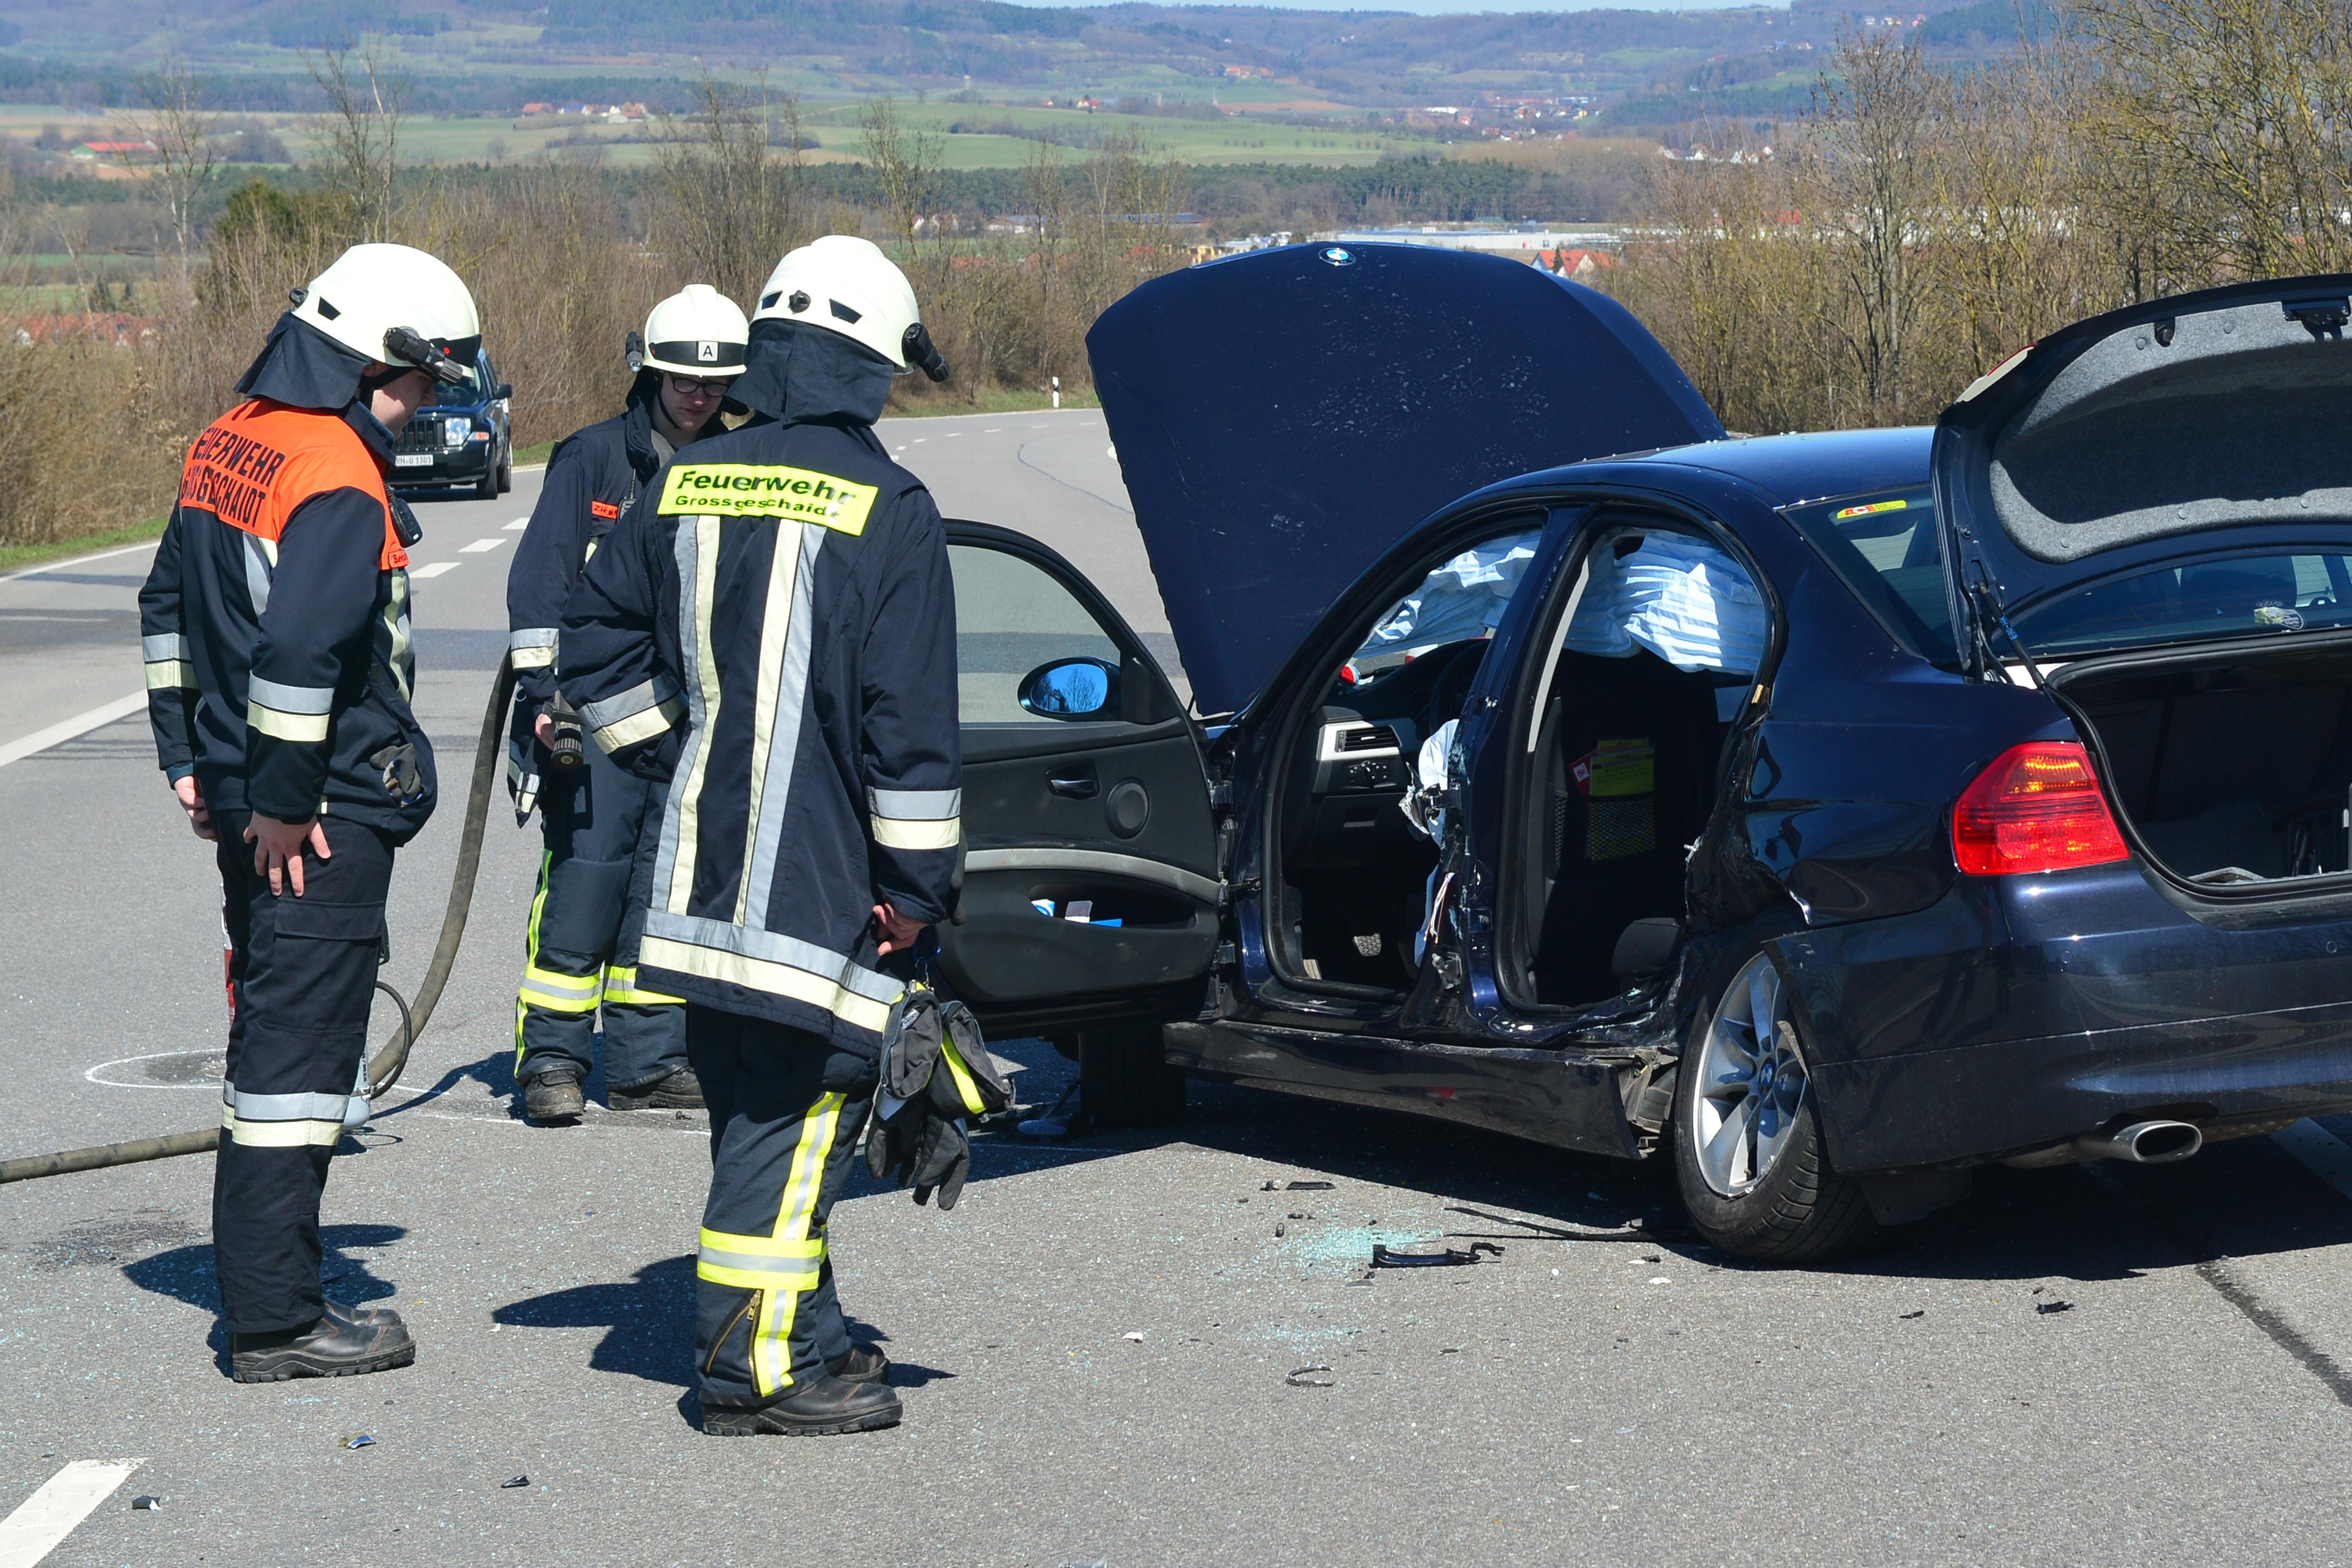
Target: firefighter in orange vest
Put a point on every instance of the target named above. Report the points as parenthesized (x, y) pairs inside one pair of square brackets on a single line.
[(276, 634)]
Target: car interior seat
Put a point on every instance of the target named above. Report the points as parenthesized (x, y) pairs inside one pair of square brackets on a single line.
[(1630, 780)]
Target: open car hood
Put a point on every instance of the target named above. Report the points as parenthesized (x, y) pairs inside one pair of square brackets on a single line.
[(2203, 424), (1284, 417)]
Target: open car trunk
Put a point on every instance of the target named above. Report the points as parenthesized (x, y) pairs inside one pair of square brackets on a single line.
[(2232, 767)]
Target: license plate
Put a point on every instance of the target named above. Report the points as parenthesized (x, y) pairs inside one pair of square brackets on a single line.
[(413, 460)]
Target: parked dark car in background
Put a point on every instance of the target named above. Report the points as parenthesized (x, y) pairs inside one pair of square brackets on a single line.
[(1827, 813), (463, 437)]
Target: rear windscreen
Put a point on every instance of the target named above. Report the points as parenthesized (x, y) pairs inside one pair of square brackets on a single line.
[(1884, 547), (2242, 595)]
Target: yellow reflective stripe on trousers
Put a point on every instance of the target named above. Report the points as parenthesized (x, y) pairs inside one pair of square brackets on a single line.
[(558, 992), (789, 1244), (759, 1262), (305, 1134), (530, 946), (620, 990)]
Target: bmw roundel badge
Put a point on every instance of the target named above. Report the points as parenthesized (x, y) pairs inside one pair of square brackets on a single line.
[(1339, 255)]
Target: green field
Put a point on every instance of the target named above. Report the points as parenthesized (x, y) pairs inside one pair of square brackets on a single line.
[(834, 127)]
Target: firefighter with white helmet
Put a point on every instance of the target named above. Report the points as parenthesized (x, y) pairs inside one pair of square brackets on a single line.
[(773, 627), (580, 952), (279, 670)]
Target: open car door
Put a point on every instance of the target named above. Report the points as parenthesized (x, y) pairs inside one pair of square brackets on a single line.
[(1090, 892)]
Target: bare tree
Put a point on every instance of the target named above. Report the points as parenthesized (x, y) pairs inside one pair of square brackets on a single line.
[(1870, 179), (2221, 126), (903, 160), (728, 196), (366, 105), (178, 121)]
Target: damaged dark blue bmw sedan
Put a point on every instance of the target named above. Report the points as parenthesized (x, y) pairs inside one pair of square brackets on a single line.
[(1829, 814)]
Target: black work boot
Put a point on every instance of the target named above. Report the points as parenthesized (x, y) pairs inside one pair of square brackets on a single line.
[(325, 1349), (553, 1096), (361, 1316), (815, 1407), (681, 1090), (860, 1364)]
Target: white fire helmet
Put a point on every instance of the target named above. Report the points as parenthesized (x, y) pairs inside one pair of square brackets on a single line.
[(845, 285), (697, 331), (396, 304)]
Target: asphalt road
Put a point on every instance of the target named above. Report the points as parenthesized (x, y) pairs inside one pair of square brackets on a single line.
[(2076, 1366)]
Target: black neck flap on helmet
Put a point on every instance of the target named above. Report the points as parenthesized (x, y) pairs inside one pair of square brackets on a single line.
[(302, 367), (800, 374)]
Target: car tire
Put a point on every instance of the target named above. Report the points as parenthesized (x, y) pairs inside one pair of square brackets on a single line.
[(1749, 1158), (487, 487), (1124, 1079), (506, 470)]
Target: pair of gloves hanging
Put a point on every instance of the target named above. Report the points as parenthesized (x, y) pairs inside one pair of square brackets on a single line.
[(936, 1075)]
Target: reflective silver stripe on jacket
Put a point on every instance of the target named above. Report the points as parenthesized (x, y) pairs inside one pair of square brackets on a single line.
[(641, 712), (288, 713), (533, 647), (260, 562), (916, 819), (772, 779), (168, 668), (770, 962)]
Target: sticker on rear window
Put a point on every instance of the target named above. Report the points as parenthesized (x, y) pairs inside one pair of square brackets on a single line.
[(759, 489), (1865, 510)]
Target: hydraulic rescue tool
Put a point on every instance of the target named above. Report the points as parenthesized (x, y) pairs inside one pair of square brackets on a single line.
[(384, 1071)]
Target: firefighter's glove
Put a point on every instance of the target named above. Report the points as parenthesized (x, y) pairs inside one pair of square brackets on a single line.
[(403, 779), (936, 1074)]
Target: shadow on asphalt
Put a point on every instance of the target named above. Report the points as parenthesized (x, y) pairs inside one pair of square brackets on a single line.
[(186, 1274), (650, 1320)]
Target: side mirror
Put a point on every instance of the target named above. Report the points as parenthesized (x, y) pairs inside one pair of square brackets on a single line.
[(1072, 689), (505, 390)]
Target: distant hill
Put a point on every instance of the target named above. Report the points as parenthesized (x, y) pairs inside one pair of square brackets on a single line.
[(1640, 68)]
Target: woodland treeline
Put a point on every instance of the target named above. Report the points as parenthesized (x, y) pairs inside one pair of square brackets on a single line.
[(1862, 265)]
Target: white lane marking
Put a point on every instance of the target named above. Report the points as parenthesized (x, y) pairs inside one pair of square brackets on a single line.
[(479, 545), (953, 434), (435, 570), (50, 1515), (991, 429), (920, 439), (518, 525), (78, 560), (79, 725), (2321, 1151)]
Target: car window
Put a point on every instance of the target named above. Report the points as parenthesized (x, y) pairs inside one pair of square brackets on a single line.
[(1461, 601), (1012, 616), (2239, 595), (1884, 548)]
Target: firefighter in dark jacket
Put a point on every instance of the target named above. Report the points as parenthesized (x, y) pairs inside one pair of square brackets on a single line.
[(581, 947), (276, 632), (772, 630)]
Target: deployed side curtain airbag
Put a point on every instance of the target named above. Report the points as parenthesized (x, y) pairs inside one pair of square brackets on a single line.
[(1684, 600)]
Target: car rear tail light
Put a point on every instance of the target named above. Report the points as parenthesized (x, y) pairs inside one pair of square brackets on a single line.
[(2037, 808)]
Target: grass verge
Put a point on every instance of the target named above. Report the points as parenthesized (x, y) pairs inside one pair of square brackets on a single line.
[(17, 557)]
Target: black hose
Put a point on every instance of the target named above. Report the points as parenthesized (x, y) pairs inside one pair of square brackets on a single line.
[(385, 1069)]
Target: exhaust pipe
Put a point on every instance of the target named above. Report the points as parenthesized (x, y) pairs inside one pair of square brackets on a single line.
[(2143, 1142)]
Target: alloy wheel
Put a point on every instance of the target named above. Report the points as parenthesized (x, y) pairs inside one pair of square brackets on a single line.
[(1751, 1082)]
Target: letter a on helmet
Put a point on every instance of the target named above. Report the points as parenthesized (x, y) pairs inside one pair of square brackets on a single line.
[(845, 285), (395, 304), (697, 331)]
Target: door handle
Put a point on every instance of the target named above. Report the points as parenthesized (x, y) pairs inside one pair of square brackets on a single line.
[(1078, 782)]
